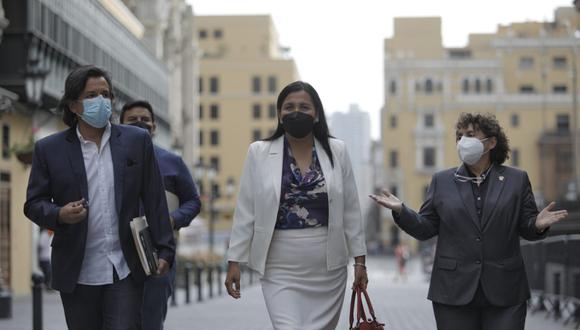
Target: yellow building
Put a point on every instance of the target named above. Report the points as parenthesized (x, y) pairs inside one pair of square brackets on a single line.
[(525, 74), (241, 71)]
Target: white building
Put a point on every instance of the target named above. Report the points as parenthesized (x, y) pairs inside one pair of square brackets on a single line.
[(354, 128)]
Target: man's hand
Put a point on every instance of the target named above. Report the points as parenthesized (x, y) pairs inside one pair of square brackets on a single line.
[(162, 267), (233, 280), (388, 200), (73, 212), (547, 217)]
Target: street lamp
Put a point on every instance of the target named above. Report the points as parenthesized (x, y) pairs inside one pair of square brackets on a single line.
[(202, 172), (34, 82)]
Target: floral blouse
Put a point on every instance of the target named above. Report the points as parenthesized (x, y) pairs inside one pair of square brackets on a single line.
[(303, 199)]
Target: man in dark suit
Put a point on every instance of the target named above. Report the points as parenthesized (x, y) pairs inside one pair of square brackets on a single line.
[(86, 185), (185, 206), (479, 211)]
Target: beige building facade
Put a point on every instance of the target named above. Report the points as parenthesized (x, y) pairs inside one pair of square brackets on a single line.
[(525, 74), (241, 71)]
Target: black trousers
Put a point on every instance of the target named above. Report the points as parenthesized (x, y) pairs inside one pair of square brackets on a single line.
[(114, 306), (480, 318)]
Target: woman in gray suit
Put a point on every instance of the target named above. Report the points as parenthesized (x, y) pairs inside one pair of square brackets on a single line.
[(479, 210)]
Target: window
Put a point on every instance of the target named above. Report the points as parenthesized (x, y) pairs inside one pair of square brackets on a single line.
[(526, 62), (256, 86), (201, 111), (214, 111), (202, 34), (393, 87), (563, 123), (200, 85), (256, 135), (515, 120), (428, 157), (214, 138), (559, 62), (425, 192), (515, 157), (477, 86), (214, 162), (417, 86), (428, 86), (489, 86), (215, 190), (564, 163), (5, 141), (393, 121), (256, 111), (200, 138), (465, 87), (559, 89), (429, 120), (218, 34), (272, 85), (272, 113), (213, 85), (527, 89), (393, 190), (394, 159)]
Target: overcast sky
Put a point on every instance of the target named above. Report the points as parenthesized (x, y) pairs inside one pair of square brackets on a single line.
[(338, 44)]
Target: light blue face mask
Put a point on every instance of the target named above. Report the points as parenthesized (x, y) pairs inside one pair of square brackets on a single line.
[(97, 111)]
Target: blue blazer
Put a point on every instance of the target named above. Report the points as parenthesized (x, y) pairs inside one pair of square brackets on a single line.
[(58, 177), (177, 180)]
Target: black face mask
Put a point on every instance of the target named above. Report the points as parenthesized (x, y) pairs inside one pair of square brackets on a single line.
[(142, 125), (298, 124)]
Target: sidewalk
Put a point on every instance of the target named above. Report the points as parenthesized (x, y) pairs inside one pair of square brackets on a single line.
[(402, 305)]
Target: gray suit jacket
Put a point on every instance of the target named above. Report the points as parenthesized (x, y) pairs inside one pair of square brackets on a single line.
[(469, 251)]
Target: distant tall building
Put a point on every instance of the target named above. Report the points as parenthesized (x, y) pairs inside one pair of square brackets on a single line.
[(525, 74), (354, 128), (241, 71)]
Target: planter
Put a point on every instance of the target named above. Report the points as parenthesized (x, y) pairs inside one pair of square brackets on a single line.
[(24, 157)]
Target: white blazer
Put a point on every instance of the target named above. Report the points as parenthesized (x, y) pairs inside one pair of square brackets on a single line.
[(259, 200)]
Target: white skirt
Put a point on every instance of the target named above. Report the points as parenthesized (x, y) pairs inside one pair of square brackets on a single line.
[(300, 293)]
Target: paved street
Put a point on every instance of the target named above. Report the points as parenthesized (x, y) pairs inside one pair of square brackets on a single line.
[(402, 305)]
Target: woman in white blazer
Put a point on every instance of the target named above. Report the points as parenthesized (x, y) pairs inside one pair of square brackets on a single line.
[(297, 218)]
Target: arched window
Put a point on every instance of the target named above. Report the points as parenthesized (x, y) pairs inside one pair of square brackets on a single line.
[(477, 86)]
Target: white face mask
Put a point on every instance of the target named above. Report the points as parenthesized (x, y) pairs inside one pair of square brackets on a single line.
[(470, 149)]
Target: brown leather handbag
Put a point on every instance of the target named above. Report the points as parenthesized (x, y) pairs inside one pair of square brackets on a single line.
[(362, 322)]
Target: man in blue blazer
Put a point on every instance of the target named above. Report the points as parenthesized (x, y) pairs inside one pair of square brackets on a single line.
[(179, 185), (86, 184)]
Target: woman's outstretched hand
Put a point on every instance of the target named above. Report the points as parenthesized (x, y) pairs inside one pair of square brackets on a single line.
[(547, 217), (388, 200)]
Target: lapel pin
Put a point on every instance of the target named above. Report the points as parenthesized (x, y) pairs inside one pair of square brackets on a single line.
[(501, 178)]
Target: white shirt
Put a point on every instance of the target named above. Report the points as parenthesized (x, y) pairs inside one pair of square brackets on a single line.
[(103, 246)]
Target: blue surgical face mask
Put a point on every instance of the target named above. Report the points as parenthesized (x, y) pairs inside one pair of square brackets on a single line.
[(97, 111)]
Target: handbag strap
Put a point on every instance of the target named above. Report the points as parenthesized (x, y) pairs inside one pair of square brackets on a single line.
[(352, 301), (369, 304), (360, 308)]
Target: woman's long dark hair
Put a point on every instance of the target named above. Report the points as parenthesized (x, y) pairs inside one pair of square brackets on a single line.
[(320, 130)]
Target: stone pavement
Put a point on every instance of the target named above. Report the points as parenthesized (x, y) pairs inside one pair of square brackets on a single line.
[(402, 305)]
